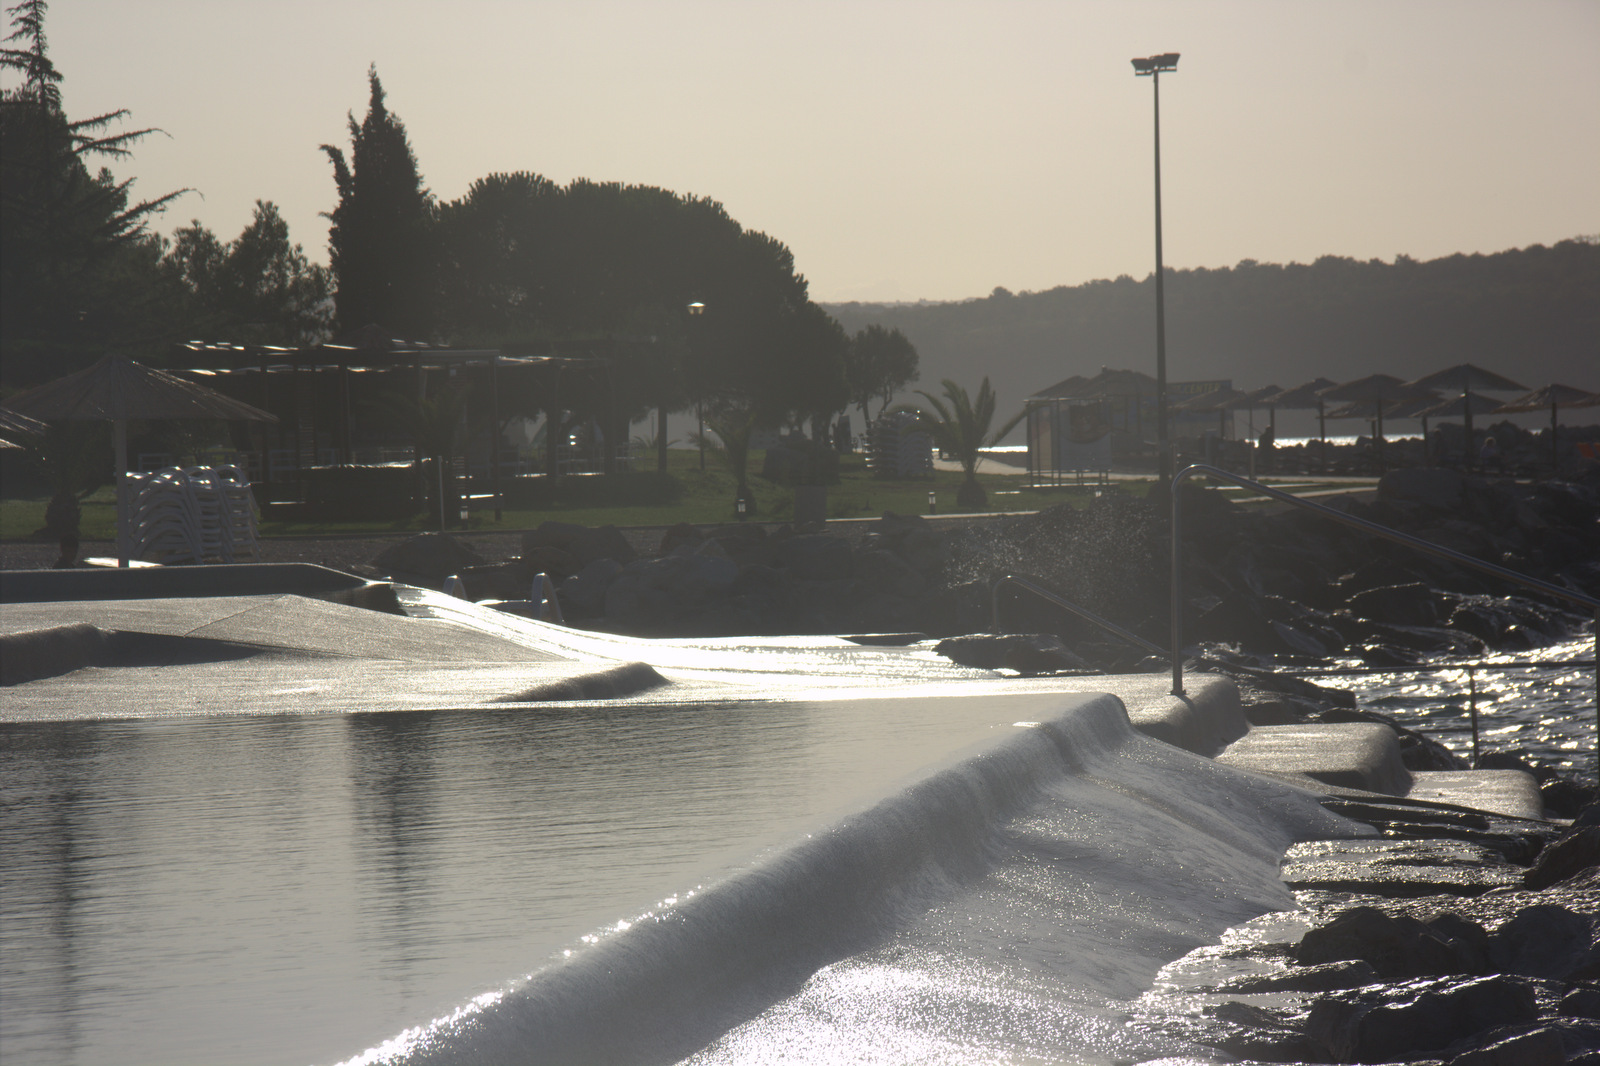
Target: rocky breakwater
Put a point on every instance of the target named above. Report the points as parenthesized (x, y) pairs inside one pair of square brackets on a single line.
[(744, 579), (1296, 586), (1260, 584), (1475, 943)]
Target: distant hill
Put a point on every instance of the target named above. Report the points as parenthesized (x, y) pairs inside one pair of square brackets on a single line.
[(1532, 314)]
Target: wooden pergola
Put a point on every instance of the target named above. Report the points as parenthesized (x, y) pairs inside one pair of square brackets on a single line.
[(371, 351)]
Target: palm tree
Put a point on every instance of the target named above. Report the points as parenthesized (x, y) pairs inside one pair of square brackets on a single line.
[(961, 429)]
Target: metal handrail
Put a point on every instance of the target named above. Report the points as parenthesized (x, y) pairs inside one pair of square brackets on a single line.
[(1082, 612), (1375, 528)]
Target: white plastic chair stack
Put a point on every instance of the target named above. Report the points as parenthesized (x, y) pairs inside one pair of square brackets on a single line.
[(162, 519), (205, 508), (897, 449), (202, 514), (239, 527)]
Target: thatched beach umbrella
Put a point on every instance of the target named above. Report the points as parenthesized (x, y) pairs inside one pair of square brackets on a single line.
[(1217, 400), (1461, 380), (115, 390), (16, 428), (1463, 406), (1266, 396), (1305, 398), (1376, 391), (1553, 397)]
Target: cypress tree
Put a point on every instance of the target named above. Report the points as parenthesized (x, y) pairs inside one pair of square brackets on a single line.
[(381, 241)]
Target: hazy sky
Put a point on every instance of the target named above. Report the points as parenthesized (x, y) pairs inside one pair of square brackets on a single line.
[(903, 150)]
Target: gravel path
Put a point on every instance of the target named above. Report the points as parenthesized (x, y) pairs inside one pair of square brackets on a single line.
[(350, 554), (354, 554)]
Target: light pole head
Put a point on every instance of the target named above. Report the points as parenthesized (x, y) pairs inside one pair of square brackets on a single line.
[(1161, 64), (697, 308)]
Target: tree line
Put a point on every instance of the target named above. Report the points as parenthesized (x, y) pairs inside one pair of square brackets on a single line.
[(518, 262), (1532, 314)]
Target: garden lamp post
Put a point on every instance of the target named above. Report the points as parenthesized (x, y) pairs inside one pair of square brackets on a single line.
[(1154, 67), (697, 309)]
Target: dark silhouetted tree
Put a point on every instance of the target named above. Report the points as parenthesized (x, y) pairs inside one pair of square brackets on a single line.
[(77, 265), (526, 262), (879, 363), (381, 242), (258, 288)]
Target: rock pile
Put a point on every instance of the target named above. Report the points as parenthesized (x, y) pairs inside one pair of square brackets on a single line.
[(1294, 585), (1467, 958), (1286, 585)]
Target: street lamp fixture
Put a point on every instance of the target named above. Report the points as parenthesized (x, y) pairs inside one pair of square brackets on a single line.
[(1156, 64), (1154, 67)]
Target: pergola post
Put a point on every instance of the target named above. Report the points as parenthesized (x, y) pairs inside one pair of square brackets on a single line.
[(494, 432)]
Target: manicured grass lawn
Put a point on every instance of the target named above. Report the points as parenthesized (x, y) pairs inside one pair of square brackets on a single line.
[(706, 497), (20, 519)]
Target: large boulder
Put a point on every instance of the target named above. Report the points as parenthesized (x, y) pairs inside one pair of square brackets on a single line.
[(430, 557), (680, 535), (1397, 947), (816, 557), (884, 571), (1396, 1023), (1539, 1046), (913, 539), (1374, 573), (1026, 653), (583, 543), (1547, 940), (747, 544), (1574, 853), (663, 594), (1413, 604), (583, 595), (768, 594), (1435, 487), (509, 580)]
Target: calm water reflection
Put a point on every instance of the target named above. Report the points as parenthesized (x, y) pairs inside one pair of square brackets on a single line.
[(293, 889), (271, 890)]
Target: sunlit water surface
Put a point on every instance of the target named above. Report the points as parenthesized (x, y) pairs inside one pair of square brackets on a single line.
[(1546, 712)]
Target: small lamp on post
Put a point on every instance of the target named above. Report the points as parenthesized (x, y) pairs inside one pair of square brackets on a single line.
[(1154, 67)]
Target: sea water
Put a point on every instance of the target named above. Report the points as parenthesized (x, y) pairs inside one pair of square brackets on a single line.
[(1538, 710)]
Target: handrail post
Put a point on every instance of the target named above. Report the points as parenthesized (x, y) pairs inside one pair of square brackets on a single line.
[(1472, 709)]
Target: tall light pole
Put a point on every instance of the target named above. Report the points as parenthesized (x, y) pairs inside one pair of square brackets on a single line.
[(1154, 67)]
